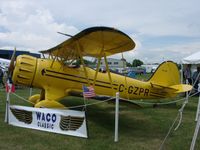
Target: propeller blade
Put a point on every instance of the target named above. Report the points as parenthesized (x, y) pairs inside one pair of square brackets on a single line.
[(11, 67), (65, 34)]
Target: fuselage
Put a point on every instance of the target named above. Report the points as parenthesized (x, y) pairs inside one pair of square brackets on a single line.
[(58, 80)]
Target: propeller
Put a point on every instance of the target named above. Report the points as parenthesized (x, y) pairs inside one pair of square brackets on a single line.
[(12, 65), (65, 34)]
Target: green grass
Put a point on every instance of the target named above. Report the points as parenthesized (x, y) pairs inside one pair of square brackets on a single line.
[(139, 128)]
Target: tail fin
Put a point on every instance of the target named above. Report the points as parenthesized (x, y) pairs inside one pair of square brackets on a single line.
[(167, 76)]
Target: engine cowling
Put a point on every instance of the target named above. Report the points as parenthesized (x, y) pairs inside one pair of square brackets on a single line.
[(24, 71)]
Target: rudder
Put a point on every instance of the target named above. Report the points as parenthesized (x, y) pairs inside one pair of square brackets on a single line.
[(167, 74)]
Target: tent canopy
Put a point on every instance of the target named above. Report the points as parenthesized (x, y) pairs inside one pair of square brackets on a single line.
[(192, 59)]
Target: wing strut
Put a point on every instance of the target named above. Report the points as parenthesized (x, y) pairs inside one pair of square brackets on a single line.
[(82, 62), (54, 58), (107, 68), (126, 85), (97, 70)]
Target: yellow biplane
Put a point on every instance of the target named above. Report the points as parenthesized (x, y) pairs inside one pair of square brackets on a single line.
[(57, 77)]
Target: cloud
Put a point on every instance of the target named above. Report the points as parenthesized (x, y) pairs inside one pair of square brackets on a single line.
[(32, 25), (143, 17), (172, 52), (36, 29)]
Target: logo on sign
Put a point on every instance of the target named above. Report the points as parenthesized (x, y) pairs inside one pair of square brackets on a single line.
[(22, 115), (46, 120), (71, 123)]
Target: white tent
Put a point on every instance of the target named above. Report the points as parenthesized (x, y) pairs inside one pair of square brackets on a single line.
[(192, 59)]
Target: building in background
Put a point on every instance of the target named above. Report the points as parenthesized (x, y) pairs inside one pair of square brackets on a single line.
[(114, 63)]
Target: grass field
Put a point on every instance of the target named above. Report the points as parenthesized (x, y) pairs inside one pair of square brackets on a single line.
[(139, 128)]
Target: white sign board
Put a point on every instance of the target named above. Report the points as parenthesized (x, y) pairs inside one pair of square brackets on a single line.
[(69, 122)]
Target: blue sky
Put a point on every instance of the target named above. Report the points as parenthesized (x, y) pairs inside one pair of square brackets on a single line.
[(162, 29)]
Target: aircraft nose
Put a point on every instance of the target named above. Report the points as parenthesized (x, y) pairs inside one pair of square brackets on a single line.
[(24, 70)]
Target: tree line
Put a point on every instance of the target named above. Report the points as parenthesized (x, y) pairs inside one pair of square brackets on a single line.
[(135, 63)]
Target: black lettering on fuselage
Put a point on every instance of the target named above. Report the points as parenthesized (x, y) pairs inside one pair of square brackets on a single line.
[(146, 92), (141, 91), (136, 89), (130, 90), (121, 88)]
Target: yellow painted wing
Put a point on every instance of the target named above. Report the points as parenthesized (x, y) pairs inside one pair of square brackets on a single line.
[(94, 42)]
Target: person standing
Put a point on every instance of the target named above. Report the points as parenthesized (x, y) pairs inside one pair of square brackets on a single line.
[(1, 78), (196, 78), (188, 74), (5, 77)]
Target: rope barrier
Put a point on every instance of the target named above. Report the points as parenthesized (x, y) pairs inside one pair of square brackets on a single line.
[(186, 101), (20, 97), (170, 129), (182, 109), (72, 107), (90, 104), (180, 120), (133, 101), (168, 133), (161, 103), (151, 103)]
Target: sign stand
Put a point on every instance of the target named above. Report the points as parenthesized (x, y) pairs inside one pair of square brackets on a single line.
[(8, 90), (197, 124), (116, 117)]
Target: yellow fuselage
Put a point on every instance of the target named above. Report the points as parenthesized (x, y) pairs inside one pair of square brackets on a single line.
[(58, 80)]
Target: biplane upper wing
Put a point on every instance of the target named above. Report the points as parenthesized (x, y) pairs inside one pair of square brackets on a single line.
[(94, 42)]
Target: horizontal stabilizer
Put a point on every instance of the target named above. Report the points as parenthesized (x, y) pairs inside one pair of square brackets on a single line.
[(181, 88)]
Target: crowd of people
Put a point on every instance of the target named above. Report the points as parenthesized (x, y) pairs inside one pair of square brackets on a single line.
[(192, 78), (3, 77)]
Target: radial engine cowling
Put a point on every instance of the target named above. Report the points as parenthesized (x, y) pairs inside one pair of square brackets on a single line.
[(24, 70)]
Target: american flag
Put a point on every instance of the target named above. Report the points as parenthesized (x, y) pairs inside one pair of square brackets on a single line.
[(88, 91)]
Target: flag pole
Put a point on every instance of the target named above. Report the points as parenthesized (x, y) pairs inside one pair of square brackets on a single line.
[(30, 91), (84, 103), (8, 90), (85, 110), (84, 100), (7, 108)]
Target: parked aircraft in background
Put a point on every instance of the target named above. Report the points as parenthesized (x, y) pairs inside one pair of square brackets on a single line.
[(4, 63)]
